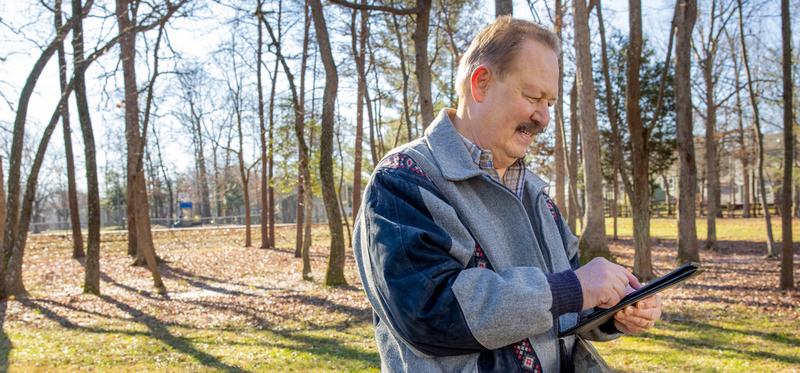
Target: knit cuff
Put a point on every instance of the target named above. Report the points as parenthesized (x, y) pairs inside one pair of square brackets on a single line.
[(567, 293)]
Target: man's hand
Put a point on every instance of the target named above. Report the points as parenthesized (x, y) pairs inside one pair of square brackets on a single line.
[(603, 283), (640, 316)]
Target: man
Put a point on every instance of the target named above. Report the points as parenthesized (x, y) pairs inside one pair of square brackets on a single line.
[(465, 260)]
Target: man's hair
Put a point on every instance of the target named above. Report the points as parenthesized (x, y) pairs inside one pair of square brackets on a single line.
[(496, 46)]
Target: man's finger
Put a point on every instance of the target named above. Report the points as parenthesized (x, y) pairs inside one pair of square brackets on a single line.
[(633, 280)]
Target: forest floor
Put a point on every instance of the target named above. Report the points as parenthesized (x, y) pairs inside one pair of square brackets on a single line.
[(237, 309)]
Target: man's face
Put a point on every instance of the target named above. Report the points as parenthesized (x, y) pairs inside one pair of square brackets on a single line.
[(517, 107)]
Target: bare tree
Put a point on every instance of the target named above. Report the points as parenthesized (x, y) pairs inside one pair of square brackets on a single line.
[(12, 232), (263, 130), (135, 139), (359, 54), (772, 250), (687, 229), (72, 194), (787, 262), (560, 150), (335, 272), (573, 212), (91, 281), (642, 264), (719, 15), (593, 238)]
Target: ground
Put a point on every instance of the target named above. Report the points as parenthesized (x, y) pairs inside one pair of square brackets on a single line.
[(238, 309)]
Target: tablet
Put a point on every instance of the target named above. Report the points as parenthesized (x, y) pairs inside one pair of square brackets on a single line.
[(601, 315)]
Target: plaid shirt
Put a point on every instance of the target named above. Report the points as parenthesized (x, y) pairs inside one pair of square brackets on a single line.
[(513, 179)]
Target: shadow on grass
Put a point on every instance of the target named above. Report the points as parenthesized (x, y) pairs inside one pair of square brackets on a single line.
[(160, 331), (710, 342), (313, 344), (202, 282), (5, 342)]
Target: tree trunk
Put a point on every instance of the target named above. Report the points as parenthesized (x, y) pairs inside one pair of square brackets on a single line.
[(560, 150), (15, 157), (335, 272), (787, 262), (667, 197), (91, 283), (423, 68), (72, 194), (359, 54), (404, 72), (772, 250), (572, 165), (2, 202), (593, 238), (687, 229), (744, 154), (264, 160), (712, 160), (640, 199), (504, 7), (135, 141), (271, 151)]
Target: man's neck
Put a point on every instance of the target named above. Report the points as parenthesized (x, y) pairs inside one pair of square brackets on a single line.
[(467, 125)]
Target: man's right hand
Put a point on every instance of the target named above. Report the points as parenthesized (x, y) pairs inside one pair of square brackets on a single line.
[(603, 283)]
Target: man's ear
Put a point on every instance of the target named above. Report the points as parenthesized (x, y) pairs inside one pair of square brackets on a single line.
[(480, 81)]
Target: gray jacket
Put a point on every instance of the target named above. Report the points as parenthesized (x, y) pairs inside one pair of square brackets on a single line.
[(457, 268)]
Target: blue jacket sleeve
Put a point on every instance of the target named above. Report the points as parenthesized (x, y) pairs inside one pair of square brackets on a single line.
[(409, 274)]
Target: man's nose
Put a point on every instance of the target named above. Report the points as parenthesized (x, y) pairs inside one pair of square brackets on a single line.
[(541, 114)]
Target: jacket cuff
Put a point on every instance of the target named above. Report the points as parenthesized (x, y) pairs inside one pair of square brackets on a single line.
[(566, 292)]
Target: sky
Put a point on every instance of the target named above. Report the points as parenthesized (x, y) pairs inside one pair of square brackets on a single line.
[(191, 37)]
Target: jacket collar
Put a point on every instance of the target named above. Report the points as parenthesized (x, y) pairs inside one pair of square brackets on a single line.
[(448, 149), (452, 156)]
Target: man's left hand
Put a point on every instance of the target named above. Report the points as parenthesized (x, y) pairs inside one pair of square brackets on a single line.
[(640, 316)]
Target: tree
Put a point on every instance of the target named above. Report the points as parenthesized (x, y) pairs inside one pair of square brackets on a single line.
[(335, 272), (135, 140), (72, 194), (359, 54), (560, 149), (787, 263), (640, 201), (772, 250), (687, 230), (718, 18), (593, 238), (264, 160), (504, 7)]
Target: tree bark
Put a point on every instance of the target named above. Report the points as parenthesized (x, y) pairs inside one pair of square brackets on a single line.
[(559, 151), (359, 54), (593, 238), (572, 165), (91, 283), (335, 272), (135, 141), (711, 157), (504, 7), (423, 68), (744, 154), (687, 229), (772, 250), (787, 262), (15, 157), (72, 194), (263, 131), (640, 199)]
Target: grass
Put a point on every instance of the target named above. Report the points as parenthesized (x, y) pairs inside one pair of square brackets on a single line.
[(234, 309), (704, 338), (740, 229)]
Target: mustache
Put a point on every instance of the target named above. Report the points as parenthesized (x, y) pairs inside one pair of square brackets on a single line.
[(534, 127)]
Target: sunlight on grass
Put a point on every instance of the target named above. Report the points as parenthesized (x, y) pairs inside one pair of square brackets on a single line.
[(712, 339), (132, 349), (739, 229)]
